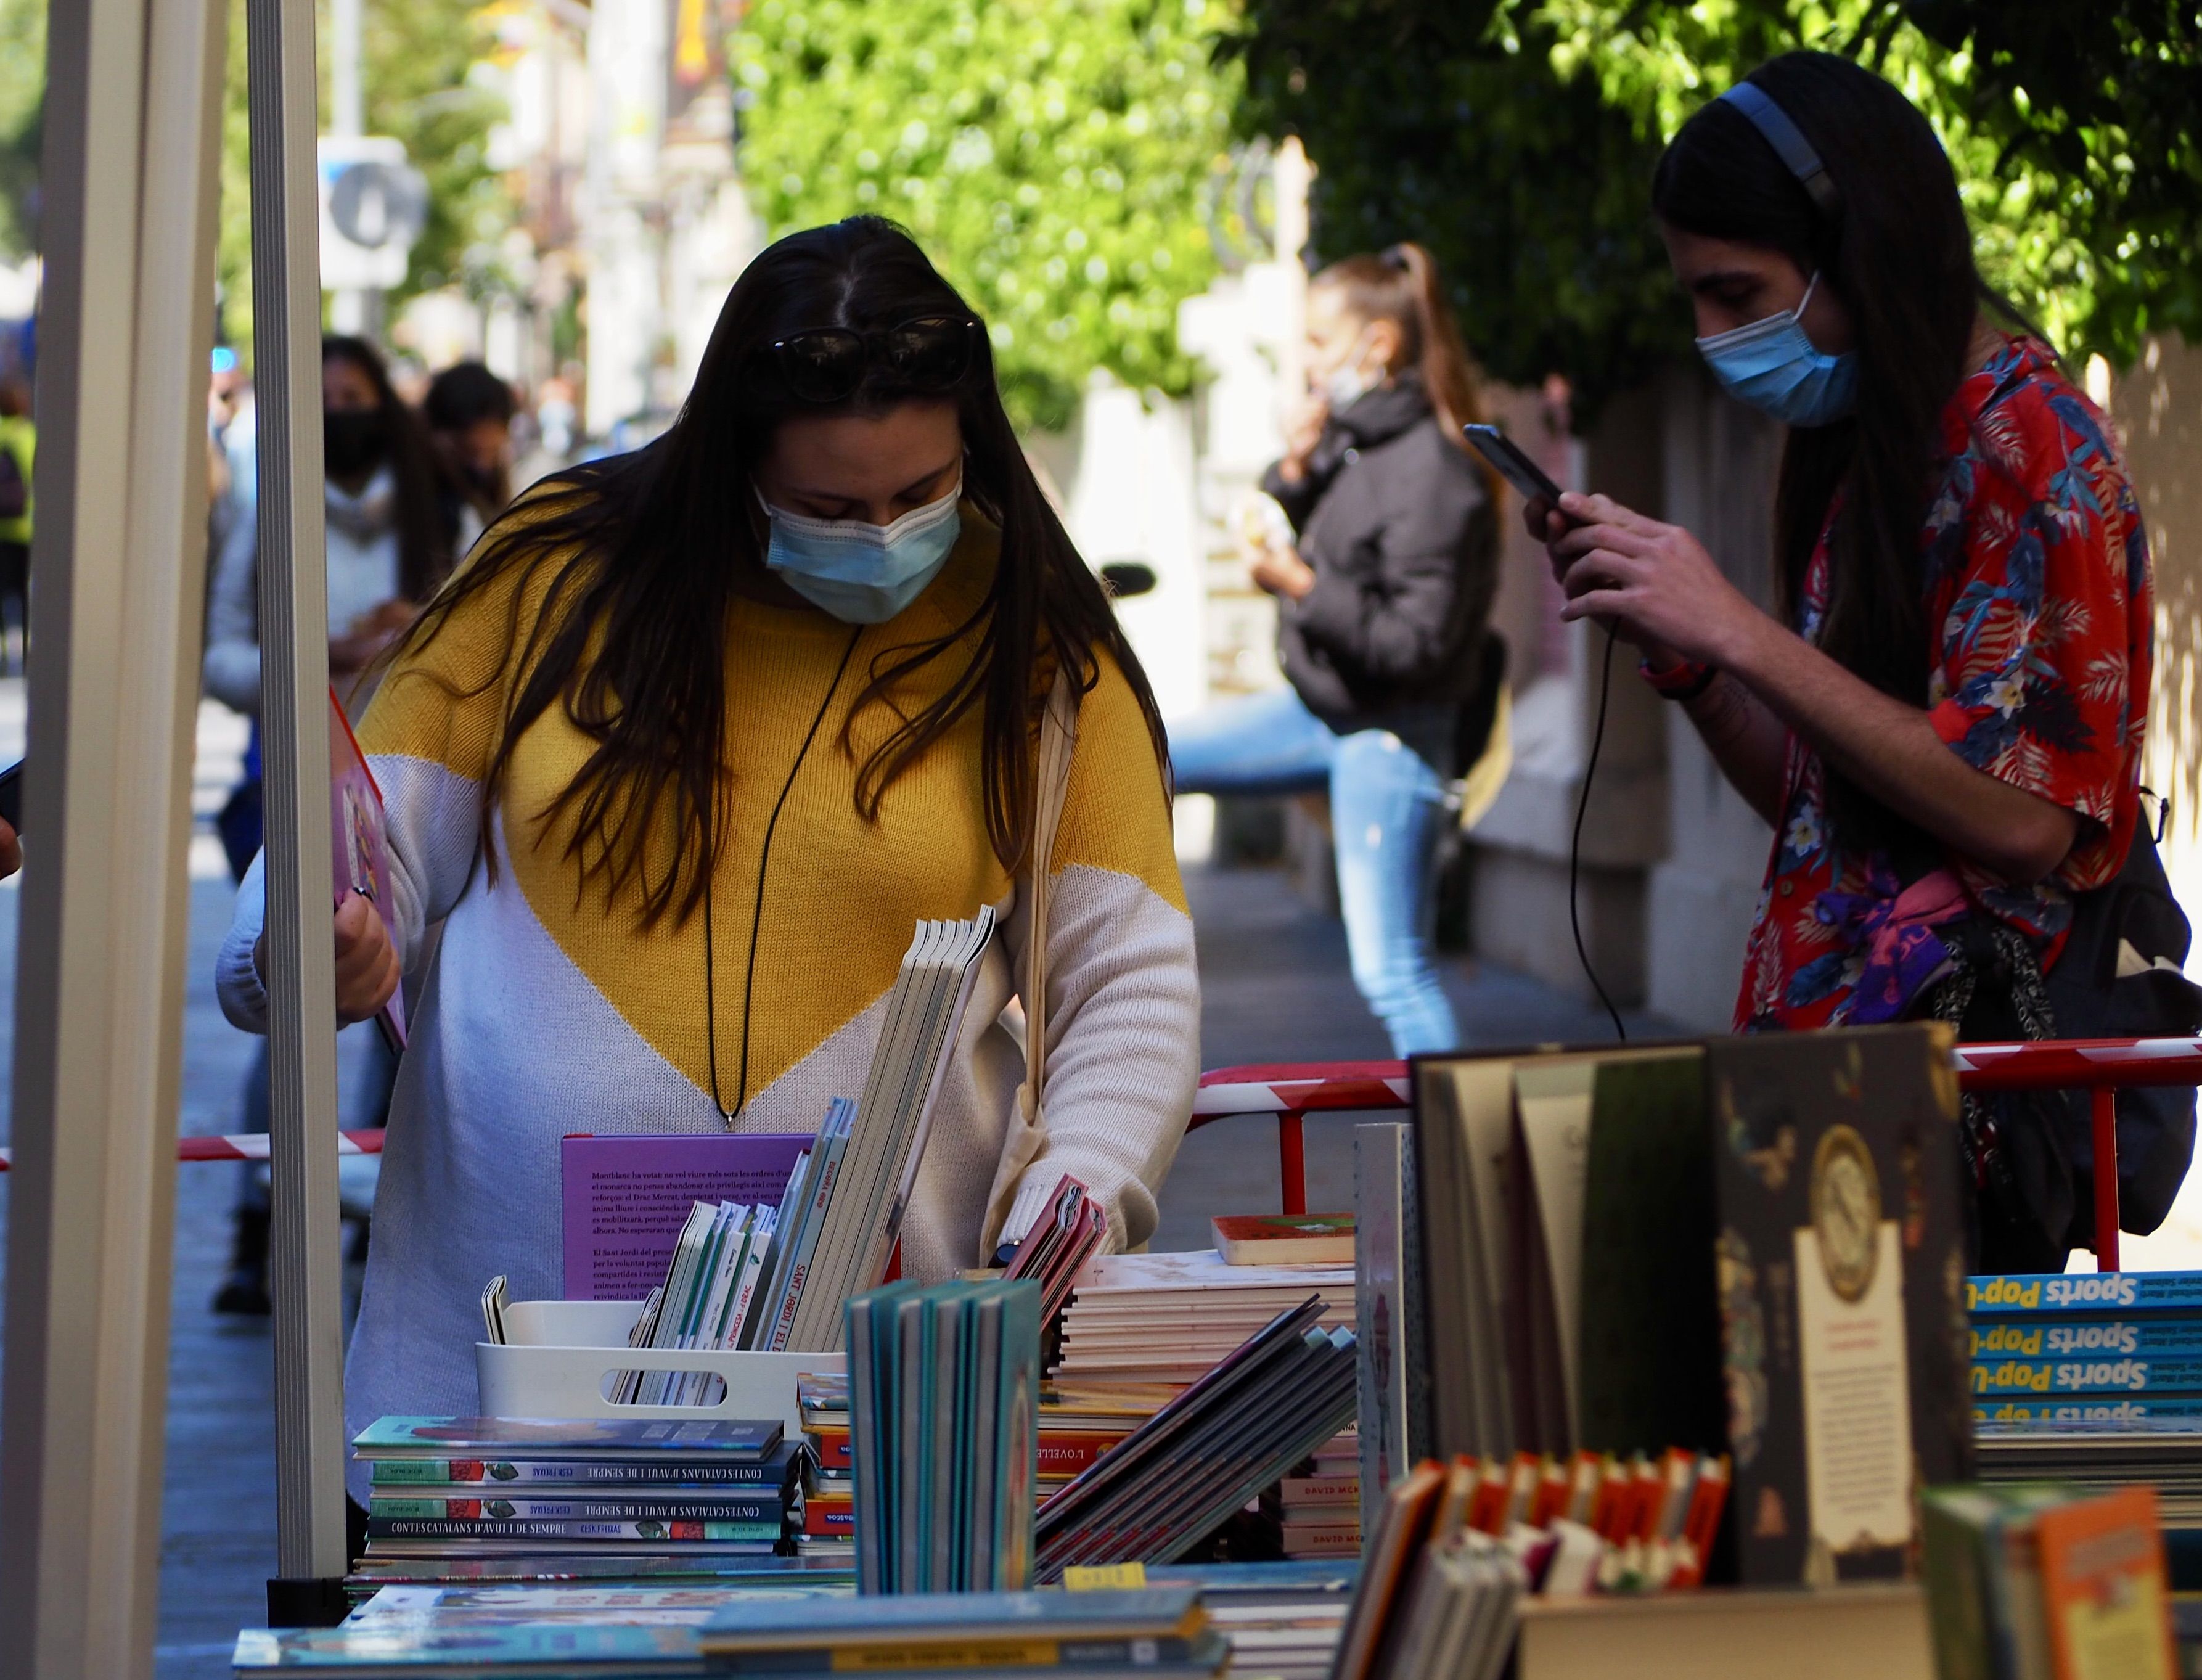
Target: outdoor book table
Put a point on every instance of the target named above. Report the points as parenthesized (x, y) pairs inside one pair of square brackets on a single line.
[(2101, 1067)]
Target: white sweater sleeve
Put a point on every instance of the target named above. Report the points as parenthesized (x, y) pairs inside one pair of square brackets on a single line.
[(433, 816), (1123, 1031)]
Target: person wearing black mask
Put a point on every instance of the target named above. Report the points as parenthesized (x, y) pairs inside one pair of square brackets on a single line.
[(470, 413), (389, 543)]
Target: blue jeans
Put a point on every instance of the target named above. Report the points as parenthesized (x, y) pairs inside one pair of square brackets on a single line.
[(1388, 812)]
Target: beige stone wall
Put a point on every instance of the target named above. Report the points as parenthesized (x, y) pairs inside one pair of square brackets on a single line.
[(2157, 406)]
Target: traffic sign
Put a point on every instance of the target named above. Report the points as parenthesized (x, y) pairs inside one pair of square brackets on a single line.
[(374, 206)]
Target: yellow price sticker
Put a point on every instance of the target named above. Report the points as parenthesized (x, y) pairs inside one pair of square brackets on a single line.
[(1102, 1578)]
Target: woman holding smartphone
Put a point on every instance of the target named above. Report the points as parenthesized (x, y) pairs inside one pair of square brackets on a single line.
[(681, 755), (1943, 721), (1384, 581)]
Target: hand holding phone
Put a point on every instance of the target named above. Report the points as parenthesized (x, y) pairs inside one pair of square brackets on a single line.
[(1511, 463)]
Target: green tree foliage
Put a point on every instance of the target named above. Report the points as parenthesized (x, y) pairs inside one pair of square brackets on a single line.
[(2075, 131), (22, 103), (1052, 157), (1441, 120), (416, 56), (2074, 141)]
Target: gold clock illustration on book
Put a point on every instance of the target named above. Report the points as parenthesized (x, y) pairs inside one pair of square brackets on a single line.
[(1846, 1211)]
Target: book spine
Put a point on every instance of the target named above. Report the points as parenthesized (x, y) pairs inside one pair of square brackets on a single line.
[(2128, 1375), (2129, 1410), (570, 1473), (824, 1520), (406, 1527), (832, 1446), (969, 1650), (2116, 1338), (814, 1221), (2010, 1294), (1063, 1455), (578, 1509)]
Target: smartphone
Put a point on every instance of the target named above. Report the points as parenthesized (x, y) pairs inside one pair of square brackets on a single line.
[(11, 796), (1509, 463)]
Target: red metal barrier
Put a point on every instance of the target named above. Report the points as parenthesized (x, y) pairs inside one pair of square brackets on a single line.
[(2100, 1067)]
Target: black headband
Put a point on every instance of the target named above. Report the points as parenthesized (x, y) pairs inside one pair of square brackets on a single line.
[(1789, 144)]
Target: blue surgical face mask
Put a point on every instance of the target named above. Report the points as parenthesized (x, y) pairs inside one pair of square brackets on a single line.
[(862, 573), (1773, 366)]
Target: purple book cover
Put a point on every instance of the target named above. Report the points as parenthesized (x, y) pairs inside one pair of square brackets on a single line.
[(625, 1196)]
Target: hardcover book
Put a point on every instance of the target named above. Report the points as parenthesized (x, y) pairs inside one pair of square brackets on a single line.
[(1839, 1267)]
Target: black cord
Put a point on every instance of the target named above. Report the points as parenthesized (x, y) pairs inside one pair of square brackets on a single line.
[(1575, 845), (757, 910)]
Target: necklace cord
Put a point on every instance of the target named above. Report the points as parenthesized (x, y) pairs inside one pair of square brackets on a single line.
[(757, 910)]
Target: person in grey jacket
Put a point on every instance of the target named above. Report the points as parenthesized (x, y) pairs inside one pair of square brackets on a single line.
[(1383, 590)]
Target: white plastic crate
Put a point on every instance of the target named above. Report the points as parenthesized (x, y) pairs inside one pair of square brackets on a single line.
[(562, 1354)]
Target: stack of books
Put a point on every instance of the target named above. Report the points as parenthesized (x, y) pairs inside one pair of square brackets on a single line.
[(829, 1506), (2120, 1351), (944, 1384), (455, 1498), (1141, 1328), (1749, 1248), (2042, 1580), (1256, 1413), (1157, 1633), (1318, 1506), (1282, 1619), (1278, 1622)]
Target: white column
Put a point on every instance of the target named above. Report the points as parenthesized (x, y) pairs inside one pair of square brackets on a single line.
[(305, 1265), (131, 127)]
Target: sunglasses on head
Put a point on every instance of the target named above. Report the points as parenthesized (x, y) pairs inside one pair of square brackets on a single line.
[(826, 364)]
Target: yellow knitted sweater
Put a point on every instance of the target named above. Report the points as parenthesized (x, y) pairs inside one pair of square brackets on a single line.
[(550, 1008)]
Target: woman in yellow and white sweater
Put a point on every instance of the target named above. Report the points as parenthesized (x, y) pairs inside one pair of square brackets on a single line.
[(682, 754)]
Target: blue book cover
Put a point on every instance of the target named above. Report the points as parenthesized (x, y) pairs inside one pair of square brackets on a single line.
[(817, 1195), (1201, 1655), (616, 1505), (894, 1618), (2008, 1294), (2060, 1338), (610, 1438), (1016, 1435), (547, 1647), (2097, 1374), (2136, 1412)]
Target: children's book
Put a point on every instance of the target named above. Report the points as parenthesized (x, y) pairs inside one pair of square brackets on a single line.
[(2016, 1294), (2103, 1589)]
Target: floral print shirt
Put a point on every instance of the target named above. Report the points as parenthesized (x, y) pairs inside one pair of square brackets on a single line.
[(2036, 574)]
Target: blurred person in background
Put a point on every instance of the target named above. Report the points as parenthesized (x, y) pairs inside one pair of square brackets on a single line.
[(1943, 718), (389, 543), (1384, 564), (19, 444), (469, 411)]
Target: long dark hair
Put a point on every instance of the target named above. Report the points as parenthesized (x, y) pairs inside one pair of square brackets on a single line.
[(638, 556), (424, 534), (1898, 252), (1400, 285)]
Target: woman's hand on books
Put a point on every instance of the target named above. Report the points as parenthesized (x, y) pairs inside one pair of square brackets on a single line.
[(367, 969)]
